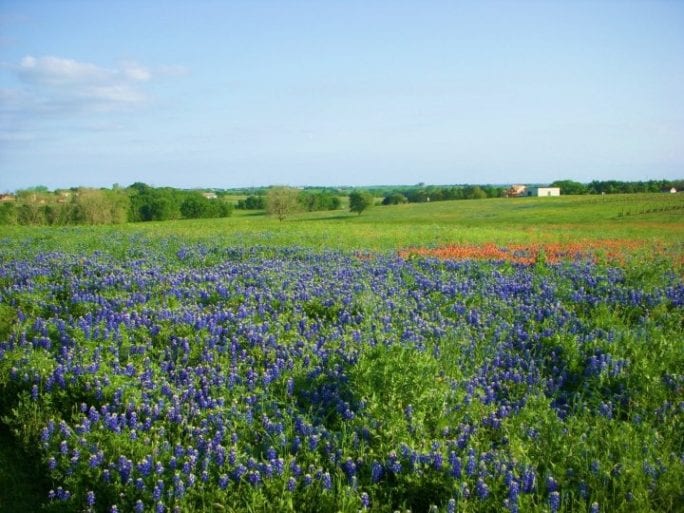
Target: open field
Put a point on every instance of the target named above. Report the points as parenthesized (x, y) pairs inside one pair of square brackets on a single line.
[(249, 365), (649, 219)]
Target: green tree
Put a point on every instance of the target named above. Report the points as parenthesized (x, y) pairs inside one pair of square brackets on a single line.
[(153, 204), (281, 201), (474, 192), (396, 198), (568, 187), (119, 205), (360, 201), (195, 206), (316, 201), (8, 213), (252, 202), (30, 213), (92, 207)]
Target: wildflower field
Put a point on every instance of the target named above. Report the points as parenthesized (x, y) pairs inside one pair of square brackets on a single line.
[(164, 374)]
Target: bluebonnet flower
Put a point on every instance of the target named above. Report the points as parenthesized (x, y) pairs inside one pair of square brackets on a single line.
[(376, 472), (254, 477), (528, 481), (437, 461), (513, 493), (326, 481), (554, 501), (349, 468), (158, 490), (393, 463), (471, 465), (481, 489), (551, 484), (455, 463)]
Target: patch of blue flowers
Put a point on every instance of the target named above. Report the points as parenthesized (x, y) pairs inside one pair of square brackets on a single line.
[(324, 381)]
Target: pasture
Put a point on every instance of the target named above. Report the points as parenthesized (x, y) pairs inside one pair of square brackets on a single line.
[(646, 219), (330, 362)]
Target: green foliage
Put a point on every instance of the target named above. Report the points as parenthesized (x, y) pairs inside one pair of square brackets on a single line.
[(196, 206), (8, 213), (154, 204), (360, 201), (23, 483), (570, 187), (252, 202), (316, 201), (396, 198), (282, 201)]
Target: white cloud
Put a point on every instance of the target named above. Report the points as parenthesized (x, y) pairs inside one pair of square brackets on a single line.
[(66, 83), (55, 89), (135, 72), (56, 71)]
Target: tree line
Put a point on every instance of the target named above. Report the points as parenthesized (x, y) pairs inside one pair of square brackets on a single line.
[(423, 194), (138, 202), (616, 186), (307, 201)]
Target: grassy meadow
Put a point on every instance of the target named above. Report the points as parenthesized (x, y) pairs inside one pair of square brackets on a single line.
[(650, 219), (321, 364)]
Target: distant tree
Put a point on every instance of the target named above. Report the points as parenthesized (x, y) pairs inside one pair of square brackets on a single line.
[(30, 213), (252, 202), (396, 198), (315, 201), (195, 206), (475, 192), (360, 201), (92, 207), (153, 204), (57, 214), (8, 213), (38, 188), (570, 187), (119, 203), (282, 201)]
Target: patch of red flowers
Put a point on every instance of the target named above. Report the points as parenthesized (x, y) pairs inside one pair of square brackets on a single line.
[(613, 250)]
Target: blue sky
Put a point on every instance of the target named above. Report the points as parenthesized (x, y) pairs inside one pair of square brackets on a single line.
[(233, 94)]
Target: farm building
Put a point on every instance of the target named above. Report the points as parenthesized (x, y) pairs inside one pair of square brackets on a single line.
[(542, 191), (515, 190)]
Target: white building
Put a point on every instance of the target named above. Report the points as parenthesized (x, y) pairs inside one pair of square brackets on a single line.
[(542, 191)]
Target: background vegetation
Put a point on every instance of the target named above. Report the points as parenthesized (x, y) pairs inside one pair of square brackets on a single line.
[(652, 221), (141, 202)]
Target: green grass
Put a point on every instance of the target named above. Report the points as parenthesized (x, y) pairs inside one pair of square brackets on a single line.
[(21, 487), (646, 218)]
